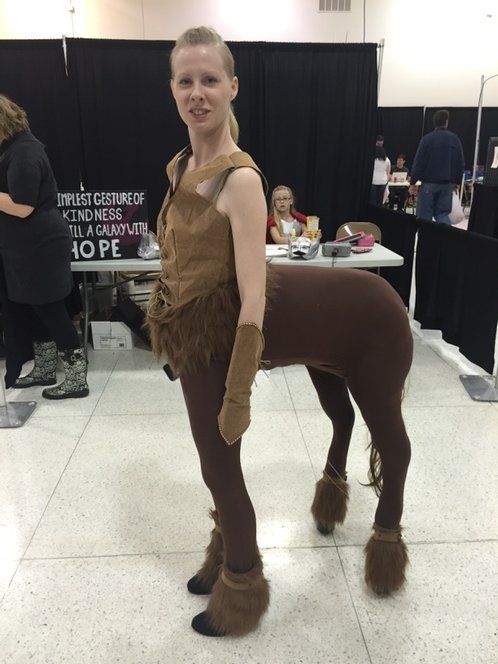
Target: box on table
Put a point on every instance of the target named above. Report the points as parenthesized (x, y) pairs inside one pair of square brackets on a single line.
[(111, 335)]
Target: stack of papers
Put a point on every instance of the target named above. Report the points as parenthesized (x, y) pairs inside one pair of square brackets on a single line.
[(274, 250)]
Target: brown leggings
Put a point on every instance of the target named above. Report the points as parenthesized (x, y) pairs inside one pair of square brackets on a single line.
[(351, 330)]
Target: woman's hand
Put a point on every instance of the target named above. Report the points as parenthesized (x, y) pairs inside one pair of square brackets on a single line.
[(8, 206)]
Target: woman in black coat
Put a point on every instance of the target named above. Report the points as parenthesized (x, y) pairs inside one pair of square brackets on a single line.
[(35, 248)]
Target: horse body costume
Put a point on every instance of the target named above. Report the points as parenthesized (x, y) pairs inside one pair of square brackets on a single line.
[(354, 334)]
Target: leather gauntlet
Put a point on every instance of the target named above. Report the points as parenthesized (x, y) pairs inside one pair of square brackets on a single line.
[(235, 414)]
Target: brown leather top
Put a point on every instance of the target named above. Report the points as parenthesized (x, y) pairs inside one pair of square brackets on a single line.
[(195, 238)]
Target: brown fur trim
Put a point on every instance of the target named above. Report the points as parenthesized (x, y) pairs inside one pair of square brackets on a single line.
[(210, 569), (191, 334), (385, 565), (237, 608), (330, 504)]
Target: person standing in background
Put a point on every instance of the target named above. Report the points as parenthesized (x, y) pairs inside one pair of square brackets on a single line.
[(380, 177), (439, 165), (35, 249)]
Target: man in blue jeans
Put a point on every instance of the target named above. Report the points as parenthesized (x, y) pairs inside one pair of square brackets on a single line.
[(439, 165)]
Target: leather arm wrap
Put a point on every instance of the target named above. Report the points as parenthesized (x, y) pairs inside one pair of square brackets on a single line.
[(235, 415)]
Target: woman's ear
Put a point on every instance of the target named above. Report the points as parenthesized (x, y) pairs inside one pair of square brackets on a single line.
[(235, 88)]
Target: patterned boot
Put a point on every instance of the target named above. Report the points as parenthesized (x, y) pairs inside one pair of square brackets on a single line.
[(74, 385), (44, 370)]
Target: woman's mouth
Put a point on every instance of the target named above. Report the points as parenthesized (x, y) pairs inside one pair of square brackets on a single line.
[(199, 112)]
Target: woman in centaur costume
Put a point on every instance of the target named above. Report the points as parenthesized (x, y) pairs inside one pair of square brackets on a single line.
[(217, 311)]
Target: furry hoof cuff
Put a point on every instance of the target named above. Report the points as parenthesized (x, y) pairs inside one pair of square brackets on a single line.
[(237, 603), (202, 583), (330, 504), (386, 561)]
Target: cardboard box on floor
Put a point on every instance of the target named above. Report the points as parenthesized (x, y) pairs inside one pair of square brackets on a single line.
[(111, 335)]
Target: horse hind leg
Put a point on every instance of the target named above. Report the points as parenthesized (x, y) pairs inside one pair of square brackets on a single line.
[(386, 553), (332, 490)]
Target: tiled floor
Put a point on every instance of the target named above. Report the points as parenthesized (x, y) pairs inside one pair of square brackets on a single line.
[(103, 519)]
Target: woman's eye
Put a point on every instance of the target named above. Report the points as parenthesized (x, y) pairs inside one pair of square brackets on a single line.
[(211, 80), (184, 81)]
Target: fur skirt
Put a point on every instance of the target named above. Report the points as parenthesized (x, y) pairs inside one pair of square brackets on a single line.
[(191, 334)]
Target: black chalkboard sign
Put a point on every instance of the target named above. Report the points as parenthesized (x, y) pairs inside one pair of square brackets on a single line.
[(104, 224)]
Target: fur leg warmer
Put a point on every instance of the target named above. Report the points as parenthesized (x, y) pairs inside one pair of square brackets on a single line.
[(386, 560), (237, 603), (330, 503), (203, 582)]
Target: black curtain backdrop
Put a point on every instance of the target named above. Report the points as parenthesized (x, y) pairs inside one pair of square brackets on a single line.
[(307, 114), (456, 286), (128, 123), (489, 127), (249, 105), (398, 234), (319, 126), (463, 121), (32, 73), (483, 217), (402, 128)]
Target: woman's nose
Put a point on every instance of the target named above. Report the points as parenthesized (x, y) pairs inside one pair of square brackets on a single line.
[(197, 92)]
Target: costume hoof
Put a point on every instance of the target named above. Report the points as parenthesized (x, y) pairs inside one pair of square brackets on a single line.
[(324, 528), (386, 561), (198, 586), (202, 625)]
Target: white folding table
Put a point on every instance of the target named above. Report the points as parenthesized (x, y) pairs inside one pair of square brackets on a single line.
[(380, 256)]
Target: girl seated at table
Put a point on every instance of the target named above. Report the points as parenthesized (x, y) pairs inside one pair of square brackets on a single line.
[(282, 218)]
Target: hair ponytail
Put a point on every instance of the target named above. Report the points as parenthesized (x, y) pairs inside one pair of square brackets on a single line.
[(234, 125)]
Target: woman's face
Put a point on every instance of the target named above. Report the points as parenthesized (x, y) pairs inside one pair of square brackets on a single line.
[(283, 200), (202, 89)]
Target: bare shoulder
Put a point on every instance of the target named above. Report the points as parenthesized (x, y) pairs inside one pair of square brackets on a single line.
[(243, 189), (243, 179)]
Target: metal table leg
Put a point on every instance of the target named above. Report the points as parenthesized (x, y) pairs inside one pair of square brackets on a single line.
[(85, 311), (481, 388), (14, 414)]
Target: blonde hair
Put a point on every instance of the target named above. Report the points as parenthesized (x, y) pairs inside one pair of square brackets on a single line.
[(209, 37), (13, 118), (273, 209)]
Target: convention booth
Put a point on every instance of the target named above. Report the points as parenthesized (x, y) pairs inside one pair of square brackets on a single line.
[(109, 136), (105, 112)]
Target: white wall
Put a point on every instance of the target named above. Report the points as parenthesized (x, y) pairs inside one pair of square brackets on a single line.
[(435, 50)]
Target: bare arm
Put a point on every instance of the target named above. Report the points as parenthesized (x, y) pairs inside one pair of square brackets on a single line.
[(276, 237), (8, 206), (243, 201)]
